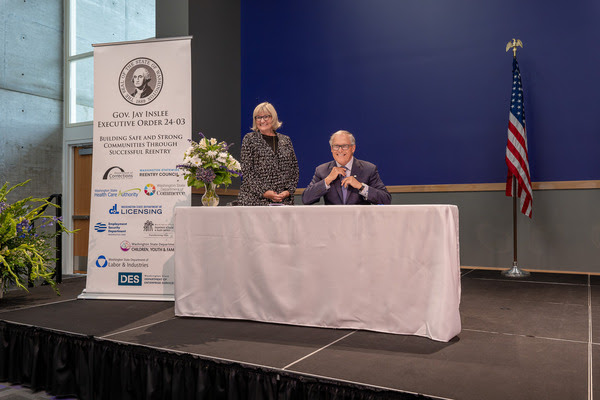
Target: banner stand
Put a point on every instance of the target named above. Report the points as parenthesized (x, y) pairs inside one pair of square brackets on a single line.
[(142, 128)]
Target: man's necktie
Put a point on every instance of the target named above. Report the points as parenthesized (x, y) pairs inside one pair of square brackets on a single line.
[(344, 188)]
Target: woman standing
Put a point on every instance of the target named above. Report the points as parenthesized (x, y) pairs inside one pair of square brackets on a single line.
[(269, 164)]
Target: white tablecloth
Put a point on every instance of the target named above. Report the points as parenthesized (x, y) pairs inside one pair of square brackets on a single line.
[(391, 268)]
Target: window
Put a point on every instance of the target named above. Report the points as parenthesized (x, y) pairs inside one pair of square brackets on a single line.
[(91, 21)]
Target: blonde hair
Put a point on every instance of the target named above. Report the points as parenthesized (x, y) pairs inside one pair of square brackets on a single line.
[(351, 136), (269, 109)]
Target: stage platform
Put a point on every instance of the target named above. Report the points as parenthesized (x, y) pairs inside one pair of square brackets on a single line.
[(533, 338)]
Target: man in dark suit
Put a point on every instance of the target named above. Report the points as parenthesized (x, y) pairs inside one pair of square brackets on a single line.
[(346, 180)]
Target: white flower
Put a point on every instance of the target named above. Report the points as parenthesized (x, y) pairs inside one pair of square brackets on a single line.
[(234, 164), (189, 151), (222, 158), (209, 151)]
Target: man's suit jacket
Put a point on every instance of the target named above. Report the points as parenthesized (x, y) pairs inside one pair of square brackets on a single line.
[(364, 171)]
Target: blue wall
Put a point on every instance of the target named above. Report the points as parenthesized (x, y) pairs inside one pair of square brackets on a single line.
[(424, 85)]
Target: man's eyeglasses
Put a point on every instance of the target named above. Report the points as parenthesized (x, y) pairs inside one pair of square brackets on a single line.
[(263, 117), (340, 146)]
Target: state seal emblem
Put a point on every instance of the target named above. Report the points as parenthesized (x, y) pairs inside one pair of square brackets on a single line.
[(140, 81)]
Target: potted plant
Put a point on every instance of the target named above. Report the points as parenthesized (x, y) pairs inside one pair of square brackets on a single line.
[(26, 249)]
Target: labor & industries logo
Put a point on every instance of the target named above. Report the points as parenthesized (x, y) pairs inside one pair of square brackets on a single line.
[(101, 262)]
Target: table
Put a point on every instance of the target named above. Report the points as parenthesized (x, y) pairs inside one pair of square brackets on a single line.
[(389, 268)]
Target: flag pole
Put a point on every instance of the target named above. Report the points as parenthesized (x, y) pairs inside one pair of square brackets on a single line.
[(515, 271)]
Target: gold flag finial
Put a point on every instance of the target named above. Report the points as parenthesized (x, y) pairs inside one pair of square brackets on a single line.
[(514, 44)]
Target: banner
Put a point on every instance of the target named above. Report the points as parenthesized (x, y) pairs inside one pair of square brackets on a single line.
[(142, 124)]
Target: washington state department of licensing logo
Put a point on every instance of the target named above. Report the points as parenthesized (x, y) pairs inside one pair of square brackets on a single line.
[(140, 81)]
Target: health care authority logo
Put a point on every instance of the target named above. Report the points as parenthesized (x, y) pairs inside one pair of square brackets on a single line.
[(150, 189)]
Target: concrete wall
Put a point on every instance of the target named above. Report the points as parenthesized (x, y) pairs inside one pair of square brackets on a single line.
[(31, 91)]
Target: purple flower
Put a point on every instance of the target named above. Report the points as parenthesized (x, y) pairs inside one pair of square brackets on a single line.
[(46, 222), (205, 175), (183, 166), (232, 172), (3, 206), (49, 221), (23, 228)]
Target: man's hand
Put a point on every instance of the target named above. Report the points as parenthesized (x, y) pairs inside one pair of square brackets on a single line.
[(351, 181), (333, 175)]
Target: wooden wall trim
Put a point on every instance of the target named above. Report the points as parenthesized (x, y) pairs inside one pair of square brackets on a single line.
[(493, 187), (220, 191), (548, 271), (468, 187)]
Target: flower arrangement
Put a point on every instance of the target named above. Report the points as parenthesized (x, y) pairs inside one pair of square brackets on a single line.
[(209, 162), (25, 249)]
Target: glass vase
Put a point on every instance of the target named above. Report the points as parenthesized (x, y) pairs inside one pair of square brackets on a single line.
[(210, 198)]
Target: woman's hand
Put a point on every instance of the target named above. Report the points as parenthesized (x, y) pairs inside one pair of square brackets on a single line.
[(269, 194), (276, 197), (283, 195)]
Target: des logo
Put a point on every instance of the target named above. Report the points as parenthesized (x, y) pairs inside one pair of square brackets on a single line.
[(130, 279)]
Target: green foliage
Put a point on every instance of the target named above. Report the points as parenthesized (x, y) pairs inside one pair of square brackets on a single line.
[(26, 252)]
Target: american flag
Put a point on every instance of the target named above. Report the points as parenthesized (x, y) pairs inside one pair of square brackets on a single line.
[(516, 147)]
